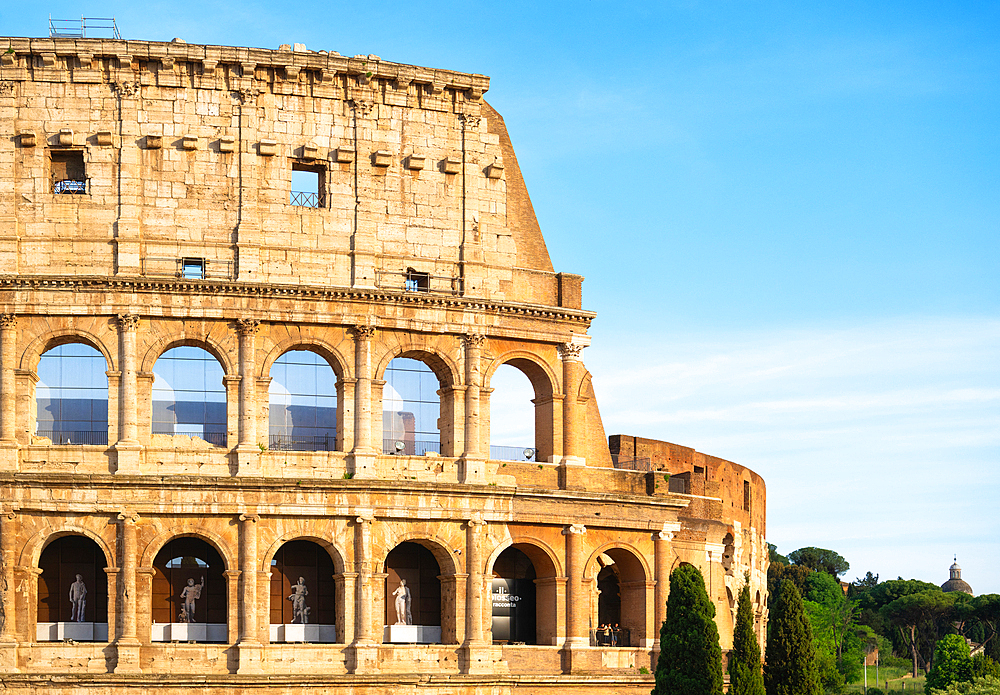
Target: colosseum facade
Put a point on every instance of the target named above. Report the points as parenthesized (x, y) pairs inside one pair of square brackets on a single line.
[(252, 303)]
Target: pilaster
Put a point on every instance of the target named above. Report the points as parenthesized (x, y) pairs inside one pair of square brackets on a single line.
[(128, 448), (127, 645), (248, 453)]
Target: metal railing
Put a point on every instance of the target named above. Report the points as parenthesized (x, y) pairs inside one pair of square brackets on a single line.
[(512, 453), (78, 28), (400, 447), (213, 438), (70, 186), (435, 284), (622, 637), (631, 464), (306, 199), (94, 438), (289, 442), (174, 267)]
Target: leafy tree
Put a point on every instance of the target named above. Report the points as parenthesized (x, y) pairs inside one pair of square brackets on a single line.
[(987, 612), (773, 555), (952, 663), (790, 657), (745, 675), (978, 686), (839, 640), (820, 560), (778, 572), (918, 616), (871, 602), (983, 666), (690, 660)]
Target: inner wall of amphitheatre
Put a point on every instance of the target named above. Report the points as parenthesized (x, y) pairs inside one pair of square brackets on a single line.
[(151, 203)]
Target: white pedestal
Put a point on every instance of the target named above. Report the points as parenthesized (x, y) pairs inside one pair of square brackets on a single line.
[(412, 634), (293, 632), (78, 632)]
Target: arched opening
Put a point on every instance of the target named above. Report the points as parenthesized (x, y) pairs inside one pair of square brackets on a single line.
[(302, 403), (72, 396), (514, 598), (412, 595), (72, 591), (512, 416), (189, 593), (619, 613), (303, 594), (189, 397), (411, 408)]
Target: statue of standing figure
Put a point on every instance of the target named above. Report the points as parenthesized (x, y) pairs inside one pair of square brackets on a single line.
[(403, 613), (190, 594), (300, 612), (78, 598)]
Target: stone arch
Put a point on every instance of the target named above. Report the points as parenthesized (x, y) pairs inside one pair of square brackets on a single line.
[(62, 558), (339, 363), (628, 574), (154, 546), (444, 366), (434, 543), (548, 572), (43, 343), (32, 550), (339, 561), (207, 343), (546, 385)]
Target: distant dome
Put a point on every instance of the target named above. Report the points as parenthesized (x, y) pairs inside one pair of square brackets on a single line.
[(956, 583)]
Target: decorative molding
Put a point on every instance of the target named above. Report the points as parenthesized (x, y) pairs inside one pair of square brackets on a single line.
[(128, 322), (247, 326), (8, 321), (268, 292)]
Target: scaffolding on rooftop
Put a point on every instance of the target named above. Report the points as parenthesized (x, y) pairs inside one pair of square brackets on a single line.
[(84, 28)]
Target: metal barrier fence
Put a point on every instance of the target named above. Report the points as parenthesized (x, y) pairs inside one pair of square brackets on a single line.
[(512, 453), (288, 442), (400, 447), (95, 438), (609, 637), (306, 199), (632, 464), (69, 186)]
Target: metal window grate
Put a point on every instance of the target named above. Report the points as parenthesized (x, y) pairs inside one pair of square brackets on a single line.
[(306, 199), (287, 442), (70, 187)]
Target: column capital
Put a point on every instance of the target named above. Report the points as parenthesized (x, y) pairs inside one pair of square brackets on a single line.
[(247, 326), (365, 519), (362, 107), (128, 322), (474, 340), (8, 321), (252, 518), (470, 121), (128, 517), (8, 512), (570, 352), (476, 520), (363, 332), (574, 529)]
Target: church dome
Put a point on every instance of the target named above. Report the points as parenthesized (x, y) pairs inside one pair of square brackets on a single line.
[(955, 581)]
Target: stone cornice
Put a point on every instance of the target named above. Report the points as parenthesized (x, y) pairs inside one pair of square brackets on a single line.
[(268, 291), (325, 62)]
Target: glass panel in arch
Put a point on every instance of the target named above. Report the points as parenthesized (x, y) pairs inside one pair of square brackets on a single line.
[(303, 403), (72, 395), (188, 395), (410, 408)]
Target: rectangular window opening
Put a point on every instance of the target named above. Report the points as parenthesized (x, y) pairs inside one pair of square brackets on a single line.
[(308, 185), (193, 268), (69, 173), (746, 495), (417, 282)]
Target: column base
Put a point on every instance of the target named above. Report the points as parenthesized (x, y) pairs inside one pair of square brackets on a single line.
[(479, 657), (574, 654), (127, 458), (128, 652), (248, 460), (472, 471), (362, 658), (361, 464), (8, 455), (8, 657), (249, 656)]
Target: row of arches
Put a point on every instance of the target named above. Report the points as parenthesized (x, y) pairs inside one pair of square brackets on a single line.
[(189, 397), (188, 596)]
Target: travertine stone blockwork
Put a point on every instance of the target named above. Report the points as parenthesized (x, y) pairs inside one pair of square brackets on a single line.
[(146, 202)]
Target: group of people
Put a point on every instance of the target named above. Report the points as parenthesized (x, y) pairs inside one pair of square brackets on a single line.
[(609, 635)]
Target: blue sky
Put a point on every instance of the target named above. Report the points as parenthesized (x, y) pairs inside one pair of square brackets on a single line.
[(788, 221)]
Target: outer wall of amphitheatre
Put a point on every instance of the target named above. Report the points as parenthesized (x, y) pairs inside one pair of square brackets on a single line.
[(147, 205)]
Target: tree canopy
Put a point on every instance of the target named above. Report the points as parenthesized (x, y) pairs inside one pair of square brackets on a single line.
[(952, 663), (690, 660), (820, 560)]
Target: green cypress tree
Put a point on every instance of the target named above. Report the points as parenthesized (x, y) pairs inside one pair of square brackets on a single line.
[(790, 655), (745, 675), (690, 660)]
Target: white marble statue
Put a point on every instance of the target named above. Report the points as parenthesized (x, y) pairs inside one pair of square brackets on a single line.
[(78, 598), (403, 613), (300, 612)]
